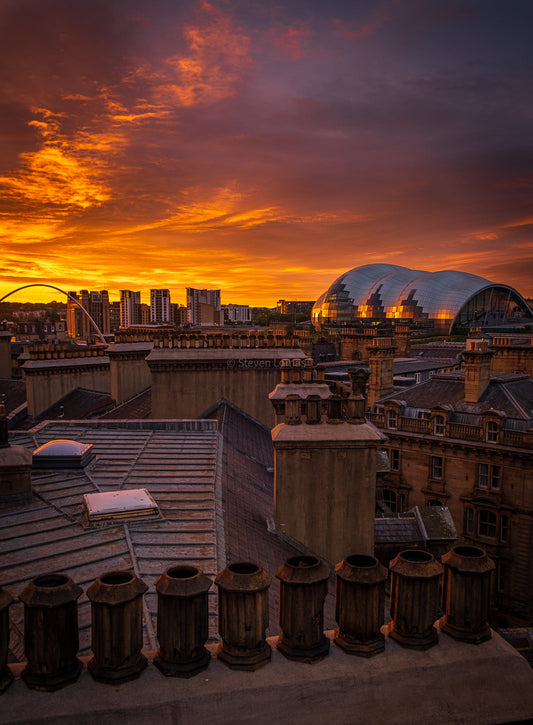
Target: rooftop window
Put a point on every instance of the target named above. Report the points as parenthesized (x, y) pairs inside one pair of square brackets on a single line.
[(62, 453), (118, 505)]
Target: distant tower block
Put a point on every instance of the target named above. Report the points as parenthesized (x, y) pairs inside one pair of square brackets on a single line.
[(325, 476)]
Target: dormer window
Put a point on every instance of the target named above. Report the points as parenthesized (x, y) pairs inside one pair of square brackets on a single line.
[(491, 432), (439, 425), (392, 419)]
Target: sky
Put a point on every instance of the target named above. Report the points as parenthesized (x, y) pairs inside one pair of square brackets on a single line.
[(263, 148)]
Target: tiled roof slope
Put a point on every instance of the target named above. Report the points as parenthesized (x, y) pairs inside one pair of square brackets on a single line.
[(176, 461)]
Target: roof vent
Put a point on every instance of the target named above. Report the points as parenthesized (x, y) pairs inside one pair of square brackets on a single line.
[(118, 505), (62, 454)]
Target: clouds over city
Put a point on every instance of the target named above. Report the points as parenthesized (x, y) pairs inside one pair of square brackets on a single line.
[(263, 149)]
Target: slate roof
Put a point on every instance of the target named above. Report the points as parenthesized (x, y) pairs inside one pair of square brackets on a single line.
[(79, 403), (510, 393), (135, 408), (439, 350), (398, 528), (176, 461), (15, 394)]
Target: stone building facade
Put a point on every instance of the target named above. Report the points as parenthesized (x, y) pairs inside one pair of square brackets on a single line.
[(465, 440)]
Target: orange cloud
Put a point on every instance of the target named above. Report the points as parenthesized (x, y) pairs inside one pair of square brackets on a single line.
[(66, 173)]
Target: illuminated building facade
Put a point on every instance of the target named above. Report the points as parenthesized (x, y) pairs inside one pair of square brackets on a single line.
[(440, 301), (159, 306), (130, 303), (203, 306)]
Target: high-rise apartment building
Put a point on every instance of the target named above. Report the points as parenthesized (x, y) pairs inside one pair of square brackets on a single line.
[(130, 304), (203, 306), (159, 306), (178, 314), (97, 305), (114, 315)]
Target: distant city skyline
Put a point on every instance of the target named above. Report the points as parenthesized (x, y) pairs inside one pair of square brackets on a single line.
[(263, 149)]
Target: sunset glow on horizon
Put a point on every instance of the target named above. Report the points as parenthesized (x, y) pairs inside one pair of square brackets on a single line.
[(263, 150)]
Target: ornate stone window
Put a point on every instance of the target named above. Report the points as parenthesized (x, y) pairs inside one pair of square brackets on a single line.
[(392, 418)]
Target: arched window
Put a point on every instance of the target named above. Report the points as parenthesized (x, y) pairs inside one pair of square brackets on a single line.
[(392, 418)]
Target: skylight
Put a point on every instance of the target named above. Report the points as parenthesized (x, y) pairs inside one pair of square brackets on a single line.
[(62, 453), (118, 505)]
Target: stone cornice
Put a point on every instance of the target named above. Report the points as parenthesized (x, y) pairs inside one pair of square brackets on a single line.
[(488, 449), (62, 367)]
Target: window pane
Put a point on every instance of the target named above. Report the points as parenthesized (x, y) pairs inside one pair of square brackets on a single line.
[(436, 467), (483, 475), (487, 524), (492, 432), (495, 477)]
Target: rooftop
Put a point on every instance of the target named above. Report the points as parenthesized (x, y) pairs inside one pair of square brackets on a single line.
[(176, 461)]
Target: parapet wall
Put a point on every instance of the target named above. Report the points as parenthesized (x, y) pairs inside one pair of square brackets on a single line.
[(453, 670)]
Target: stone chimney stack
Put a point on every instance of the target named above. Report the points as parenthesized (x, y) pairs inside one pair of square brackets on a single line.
[(477, 373), (402, 336), (325, 473), (381, 361), (15, 469)]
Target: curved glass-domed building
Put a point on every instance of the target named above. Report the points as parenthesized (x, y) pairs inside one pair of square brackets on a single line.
[(438, 300)]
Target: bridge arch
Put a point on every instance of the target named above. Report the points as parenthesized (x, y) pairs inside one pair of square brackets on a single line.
[(72, 299)]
